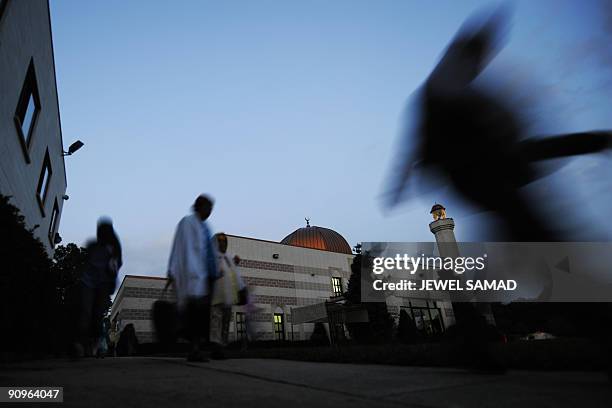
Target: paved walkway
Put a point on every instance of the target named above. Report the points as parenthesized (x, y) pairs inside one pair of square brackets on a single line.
[(171, 382)]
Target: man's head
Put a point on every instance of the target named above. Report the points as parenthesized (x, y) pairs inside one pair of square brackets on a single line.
[(105, 232), (203, 206), (222, 242)]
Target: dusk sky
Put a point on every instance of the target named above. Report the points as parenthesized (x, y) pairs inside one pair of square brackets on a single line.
[(285, 110)]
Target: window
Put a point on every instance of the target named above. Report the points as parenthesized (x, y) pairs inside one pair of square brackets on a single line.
[(53, 223), (337, 286), (241, 332), (43, 182), (27, 110), (427, 317), (279, 326)]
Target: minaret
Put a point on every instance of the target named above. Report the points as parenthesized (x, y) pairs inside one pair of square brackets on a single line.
[(443, 229)]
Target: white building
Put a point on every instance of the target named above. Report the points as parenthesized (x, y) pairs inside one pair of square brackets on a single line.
[(280, 277), (301, 272), (32, 168)]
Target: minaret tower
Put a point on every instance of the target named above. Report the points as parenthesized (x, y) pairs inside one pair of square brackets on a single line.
[(443, 229)]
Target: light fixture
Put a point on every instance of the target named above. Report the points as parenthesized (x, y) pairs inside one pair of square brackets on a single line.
[(275, 256), (73, 148)]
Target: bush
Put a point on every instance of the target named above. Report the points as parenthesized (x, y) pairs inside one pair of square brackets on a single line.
[(379, 328), (38, 297), (27, 302), (66, 268)]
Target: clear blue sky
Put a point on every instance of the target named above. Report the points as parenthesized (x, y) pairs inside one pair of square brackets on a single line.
[(287, 109)]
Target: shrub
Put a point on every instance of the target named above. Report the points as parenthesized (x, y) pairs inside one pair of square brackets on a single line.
[(26, 286), (379, 328)]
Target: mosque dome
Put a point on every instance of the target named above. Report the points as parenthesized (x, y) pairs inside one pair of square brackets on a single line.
[(318, 238)]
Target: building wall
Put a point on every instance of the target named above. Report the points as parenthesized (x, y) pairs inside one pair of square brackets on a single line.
[(299, 277), (296, 277), (134, 302), (25, 36)]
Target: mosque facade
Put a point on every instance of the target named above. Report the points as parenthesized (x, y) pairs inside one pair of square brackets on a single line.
[(289, 282)]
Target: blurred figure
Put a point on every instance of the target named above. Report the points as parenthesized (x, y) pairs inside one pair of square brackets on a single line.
[(229, 290), (476, 139), (104, 340), (192, 269), (98, 283), (113, 337), (128, 341), (472, 136)]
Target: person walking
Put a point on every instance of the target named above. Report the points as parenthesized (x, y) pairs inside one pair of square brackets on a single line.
[(98, 282), (229, 290), (192, 269)]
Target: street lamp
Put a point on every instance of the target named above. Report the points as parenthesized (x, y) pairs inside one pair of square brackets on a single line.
[(73, 148)]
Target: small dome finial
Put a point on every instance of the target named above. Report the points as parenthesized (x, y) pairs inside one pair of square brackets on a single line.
[(307, 221)]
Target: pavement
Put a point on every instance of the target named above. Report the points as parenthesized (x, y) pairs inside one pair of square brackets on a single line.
[(172, 382)]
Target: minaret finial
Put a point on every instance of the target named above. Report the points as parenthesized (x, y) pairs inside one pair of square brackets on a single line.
[(307, 221)]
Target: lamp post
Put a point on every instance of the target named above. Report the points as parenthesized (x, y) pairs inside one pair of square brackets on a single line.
[(73, 148)]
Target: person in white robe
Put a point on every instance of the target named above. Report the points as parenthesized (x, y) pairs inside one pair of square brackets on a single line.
[(229, 290), (192, 268)]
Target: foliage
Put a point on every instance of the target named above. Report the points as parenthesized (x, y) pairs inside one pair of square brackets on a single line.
[(379, 328), (68, 261), (26, 286), (353, 291), (38, 295)]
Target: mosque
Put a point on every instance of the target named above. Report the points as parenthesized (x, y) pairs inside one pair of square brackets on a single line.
[(291, 283)]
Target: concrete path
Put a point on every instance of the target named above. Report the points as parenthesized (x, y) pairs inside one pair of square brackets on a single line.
[(171, 382)]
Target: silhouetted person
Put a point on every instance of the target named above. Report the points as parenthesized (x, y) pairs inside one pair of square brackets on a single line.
[(229, 290), (128, 342), (98, 283), (192, 268), (475, 138)]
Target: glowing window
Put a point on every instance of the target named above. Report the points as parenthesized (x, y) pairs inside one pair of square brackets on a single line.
[(279, 326), (337, 286)]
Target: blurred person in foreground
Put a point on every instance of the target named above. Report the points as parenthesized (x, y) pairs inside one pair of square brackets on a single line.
[(474, 136), (229, 290), (192, 268), (98, 283)]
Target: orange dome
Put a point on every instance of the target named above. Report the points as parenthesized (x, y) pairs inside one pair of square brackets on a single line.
[(318, 238)]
